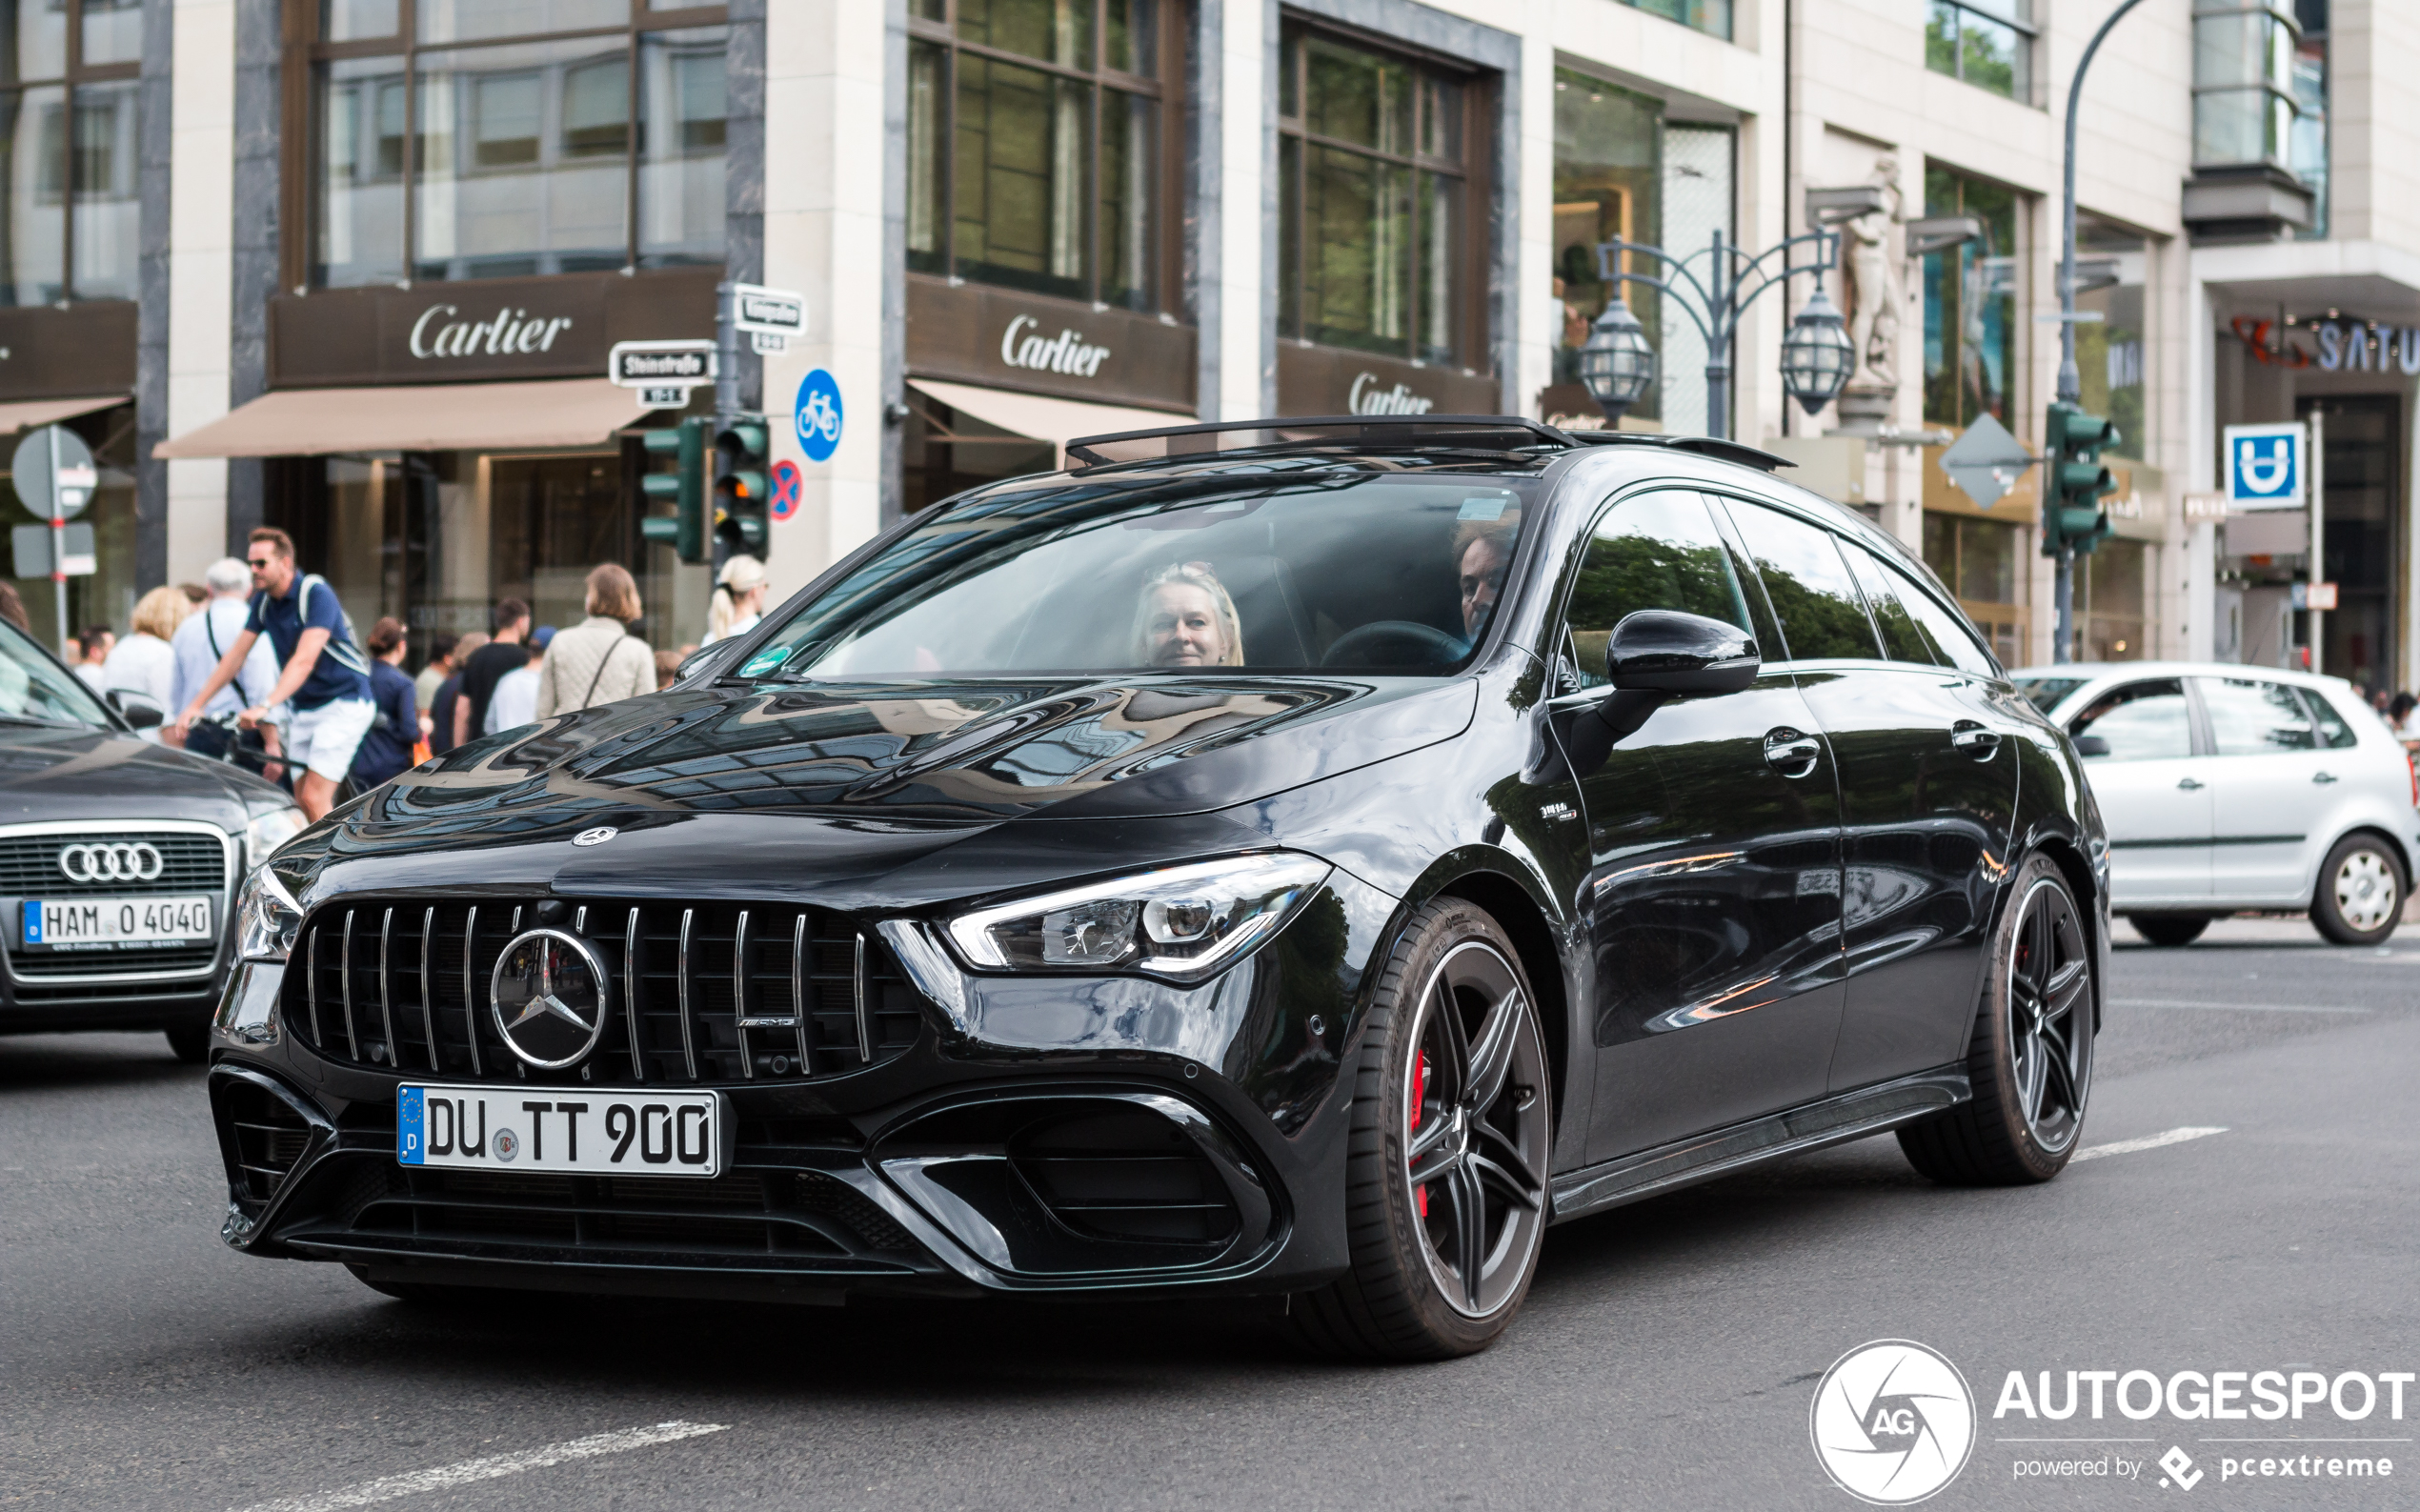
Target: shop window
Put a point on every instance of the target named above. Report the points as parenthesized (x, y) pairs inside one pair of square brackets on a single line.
[(1987, 43), (1376, 245), (490, 157), (2307, 153), (1972, 339), (69, 204), (1039, 156), (2109, 600), (1608, 183), (1982, 562), (2111, 353)]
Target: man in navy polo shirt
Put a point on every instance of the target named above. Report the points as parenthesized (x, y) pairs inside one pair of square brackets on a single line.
[(326, 679)]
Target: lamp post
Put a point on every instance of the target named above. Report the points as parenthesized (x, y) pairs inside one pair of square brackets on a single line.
[(1618, 363)]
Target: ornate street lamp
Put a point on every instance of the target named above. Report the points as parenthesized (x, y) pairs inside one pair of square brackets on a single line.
[(1714, 297), (1617, 364), (1817, 357)]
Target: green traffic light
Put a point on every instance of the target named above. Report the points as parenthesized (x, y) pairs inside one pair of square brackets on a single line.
[(2072, 518), (684, 530)]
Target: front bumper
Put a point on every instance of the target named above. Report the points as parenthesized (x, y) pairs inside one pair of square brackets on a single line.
[(1087, 1136)]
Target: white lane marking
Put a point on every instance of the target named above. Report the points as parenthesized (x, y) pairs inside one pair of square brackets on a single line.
[(2149, 1142), (2237, 1007), (447, 1477)]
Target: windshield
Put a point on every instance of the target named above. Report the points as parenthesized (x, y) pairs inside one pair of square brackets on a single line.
[(1313, 566), (35, 687), (2045, 693)]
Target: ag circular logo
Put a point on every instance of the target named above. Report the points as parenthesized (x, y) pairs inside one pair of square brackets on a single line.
[(1892, 1423), (119, 861), (552, 991)]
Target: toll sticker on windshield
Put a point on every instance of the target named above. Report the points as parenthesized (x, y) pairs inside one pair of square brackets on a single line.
[(1490, 508)]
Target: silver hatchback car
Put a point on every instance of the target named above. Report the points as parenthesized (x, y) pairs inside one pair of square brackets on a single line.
[(2229, 788)]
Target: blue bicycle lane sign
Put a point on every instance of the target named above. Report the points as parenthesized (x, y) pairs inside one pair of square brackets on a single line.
[(818, 415)]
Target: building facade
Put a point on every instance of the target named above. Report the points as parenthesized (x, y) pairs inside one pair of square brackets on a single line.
[(351, 267)]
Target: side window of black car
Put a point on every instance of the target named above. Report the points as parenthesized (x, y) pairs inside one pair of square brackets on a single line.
[(1813, 595), (1651, 550), (1902, 638), (1951, 642)]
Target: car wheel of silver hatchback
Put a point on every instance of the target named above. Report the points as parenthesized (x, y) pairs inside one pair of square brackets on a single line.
[(2359, 898)]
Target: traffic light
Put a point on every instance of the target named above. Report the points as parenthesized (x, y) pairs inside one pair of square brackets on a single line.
[(684, 530), (743, 458), (2071, 511)]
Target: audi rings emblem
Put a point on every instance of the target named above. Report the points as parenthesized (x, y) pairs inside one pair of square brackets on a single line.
[(113, 861)]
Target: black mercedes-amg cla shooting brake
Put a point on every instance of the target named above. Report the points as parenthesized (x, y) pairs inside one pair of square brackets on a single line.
[(1299, 860)]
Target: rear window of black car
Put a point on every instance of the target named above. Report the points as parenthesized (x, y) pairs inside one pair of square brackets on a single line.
[(1292, 568)]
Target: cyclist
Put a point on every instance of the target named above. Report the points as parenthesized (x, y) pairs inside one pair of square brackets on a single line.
[(325, 677), (200, 643)]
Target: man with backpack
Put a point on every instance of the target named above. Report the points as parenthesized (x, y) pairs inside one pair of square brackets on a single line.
[(326, 676)]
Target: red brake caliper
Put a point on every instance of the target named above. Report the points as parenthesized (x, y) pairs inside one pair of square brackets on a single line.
[(1420, 1107)]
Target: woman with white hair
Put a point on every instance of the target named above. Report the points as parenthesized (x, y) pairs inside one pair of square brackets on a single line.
[(202, 639), (1187, 619), (739, 600)]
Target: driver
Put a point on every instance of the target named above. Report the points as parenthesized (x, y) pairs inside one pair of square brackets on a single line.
[(1482, 549), (1186, 619)]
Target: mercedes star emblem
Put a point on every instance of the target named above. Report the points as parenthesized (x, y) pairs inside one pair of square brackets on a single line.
[(596, 837), (551, 992)]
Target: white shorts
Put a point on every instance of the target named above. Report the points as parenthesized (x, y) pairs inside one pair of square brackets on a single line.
[(325, 738)]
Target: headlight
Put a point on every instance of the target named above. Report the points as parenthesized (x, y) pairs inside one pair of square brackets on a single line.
[(266, 917), (1180, 922), (270, 830)]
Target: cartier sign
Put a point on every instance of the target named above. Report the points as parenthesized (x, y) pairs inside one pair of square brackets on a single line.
[(1331, 380), (1004, 339), (552, 327)]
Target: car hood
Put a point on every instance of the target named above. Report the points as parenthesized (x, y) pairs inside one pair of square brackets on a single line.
[(62, 772), (911, 759)]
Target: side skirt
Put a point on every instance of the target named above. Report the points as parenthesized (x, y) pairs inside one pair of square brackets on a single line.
[(1703, 1156)]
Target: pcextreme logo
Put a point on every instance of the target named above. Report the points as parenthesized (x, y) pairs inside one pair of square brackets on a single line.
[(1892, 1422)]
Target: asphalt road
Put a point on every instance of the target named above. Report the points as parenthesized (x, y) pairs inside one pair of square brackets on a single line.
[(1667, 1356)]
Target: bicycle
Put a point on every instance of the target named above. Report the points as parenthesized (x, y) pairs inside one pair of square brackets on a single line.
[(253, 758)]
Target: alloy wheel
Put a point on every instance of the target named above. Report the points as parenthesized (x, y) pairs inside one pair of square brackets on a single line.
[(2367, 891), (1476, 1131), (2049, 1015)]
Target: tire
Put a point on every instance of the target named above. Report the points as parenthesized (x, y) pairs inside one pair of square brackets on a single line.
[(2168, 929), (2030, 1062), (2358, 899), (189, 1042), (1445, 1163)]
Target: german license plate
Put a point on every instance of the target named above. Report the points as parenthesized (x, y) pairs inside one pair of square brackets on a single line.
[(115, 923), (561, 1129)]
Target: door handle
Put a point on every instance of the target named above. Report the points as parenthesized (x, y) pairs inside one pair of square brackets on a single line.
[(2189, 784), (2323, 776), (1792, 753), (1974, 740)]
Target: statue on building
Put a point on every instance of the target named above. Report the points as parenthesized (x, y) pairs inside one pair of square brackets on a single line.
[(1874, 292)]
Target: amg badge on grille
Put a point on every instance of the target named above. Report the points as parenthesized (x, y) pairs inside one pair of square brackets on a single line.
[(551, 992)]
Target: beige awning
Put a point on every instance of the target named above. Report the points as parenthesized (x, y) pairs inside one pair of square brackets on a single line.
[(1058, 421), (413, 418), (25, 413)]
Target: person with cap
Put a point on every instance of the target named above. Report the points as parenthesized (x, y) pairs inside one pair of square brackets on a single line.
[(514, 701), (739, 599)]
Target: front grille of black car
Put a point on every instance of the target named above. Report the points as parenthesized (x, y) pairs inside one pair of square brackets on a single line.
[(191, 863), (405, 984), (30, 868), (797, 1213)]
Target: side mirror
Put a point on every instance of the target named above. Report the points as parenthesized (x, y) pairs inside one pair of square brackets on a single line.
[(139, 712), (2091, 745), (1668, 651)]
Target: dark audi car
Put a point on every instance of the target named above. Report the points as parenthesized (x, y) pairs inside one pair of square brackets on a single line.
[(1303, 862), (119, 861)]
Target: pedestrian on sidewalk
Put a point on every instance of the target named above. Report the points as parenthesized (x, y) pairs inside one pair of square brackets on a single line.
[(143, 666), (739, 599), (386, 749), (448, 694), (325, 677), (92, 652), (597, 661), (505, 654), (440, 667), (514, 701)]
